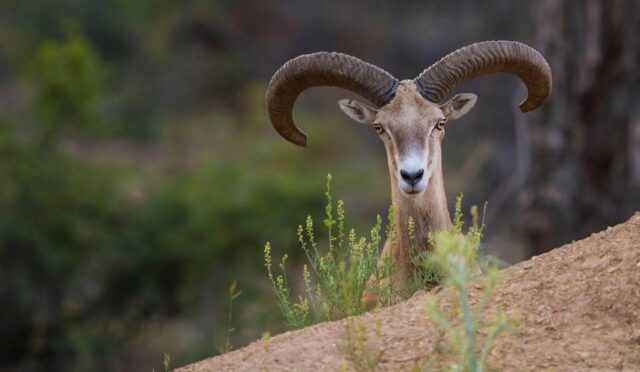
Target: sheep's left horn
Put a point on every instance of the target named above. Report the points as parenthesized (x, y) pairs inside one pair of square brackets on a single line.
[(488, 57), (323, 69)]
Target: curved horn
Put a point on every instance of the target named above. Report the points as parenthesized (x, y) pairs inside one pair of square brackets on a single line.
[(323, 69), (484, 58)]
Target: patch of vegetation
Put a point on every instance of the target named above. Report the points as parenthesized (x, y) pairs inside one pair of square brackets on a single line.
[(340, 273), (166, 363), (461, 323), (362, 355), (266, 336), (426, 275), (233, 294), (69, 78), (92, 249)]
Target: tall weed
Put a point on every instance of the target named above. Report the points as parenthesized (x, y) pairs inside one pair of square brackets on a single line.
[(462, 322), (336, 277)]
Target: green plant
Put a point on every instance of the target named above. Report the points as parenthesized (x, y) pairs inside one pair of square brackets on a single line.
[(426, 275), (232, 296), (340, 273), (362, 355), (166, 362), (455, 256), (69, 79), (266, 336)]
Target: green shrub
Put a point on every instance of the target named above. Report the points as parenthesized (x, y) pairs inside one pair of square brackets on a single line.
[(363, 356), (57, 215), (69, 79), (336, 278), (455, 257)]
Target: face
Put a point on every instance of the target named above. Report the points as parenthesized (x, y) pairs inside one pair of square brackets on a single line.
[(412, 130)]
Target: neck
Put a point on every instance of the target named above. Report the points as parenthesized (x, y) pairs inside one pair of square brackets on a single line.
[(429, 213)]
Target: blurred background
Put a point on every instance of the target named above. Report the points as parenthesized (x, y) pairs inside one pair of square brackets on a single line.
[(140, 176)]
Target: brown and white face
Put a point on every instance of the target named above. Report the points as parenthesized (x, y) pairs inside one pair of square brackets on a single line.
[(412, 130), (409, 117)]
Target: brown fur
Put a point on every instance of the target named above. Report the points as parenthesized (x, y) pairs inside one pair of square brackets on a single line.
[(409, 118)]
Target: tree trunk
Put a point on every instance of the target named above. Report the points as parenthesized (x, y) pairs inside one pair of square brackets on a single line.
[(585, 142)]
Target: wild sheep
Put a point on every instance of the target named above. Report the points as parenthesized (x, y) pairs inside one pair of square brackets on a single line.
[(409, 118)]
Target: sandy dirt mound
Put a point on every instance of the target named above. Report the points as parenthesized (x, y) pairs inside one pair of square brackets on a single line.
[(578, 308)]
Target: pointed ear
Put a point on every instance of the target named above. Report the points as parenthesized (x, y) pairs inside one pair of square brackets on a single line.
[(458, 106), (358, 111)]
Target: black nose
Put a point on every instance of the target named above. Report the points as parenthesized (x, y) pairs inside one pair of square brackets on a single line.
[(412, 177)]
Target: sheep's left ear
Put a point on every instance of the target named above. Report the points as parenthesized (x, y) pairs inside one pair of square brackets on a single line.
[(458, 106)]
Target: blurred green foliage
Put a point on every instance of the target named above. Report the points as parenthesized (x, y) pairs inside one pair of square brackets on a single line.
[(83, 263), (69, 79)]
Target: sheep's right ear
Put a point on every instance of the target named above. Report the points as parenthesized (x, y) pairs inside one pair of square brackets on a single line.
[(358, 111)]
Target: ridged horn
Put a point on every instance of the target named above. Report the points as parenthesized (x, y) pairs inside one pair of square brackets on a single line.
[(323, 69), (484, 58)]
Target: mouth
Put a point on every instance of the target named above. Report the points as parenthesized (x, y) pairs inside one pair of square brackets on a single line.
[(412, 190)]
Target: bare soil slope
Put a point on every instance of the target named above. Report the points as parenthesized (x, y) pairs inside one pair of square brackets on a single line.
[(578, 308)]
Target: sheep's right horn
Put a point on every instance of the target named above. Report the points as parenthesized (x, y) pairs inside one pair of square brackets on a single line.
[(484, 58), (323, 69)]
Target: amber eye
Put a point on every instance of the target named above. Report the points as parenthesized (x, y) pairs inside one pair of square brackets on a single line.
[(440, 124)]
